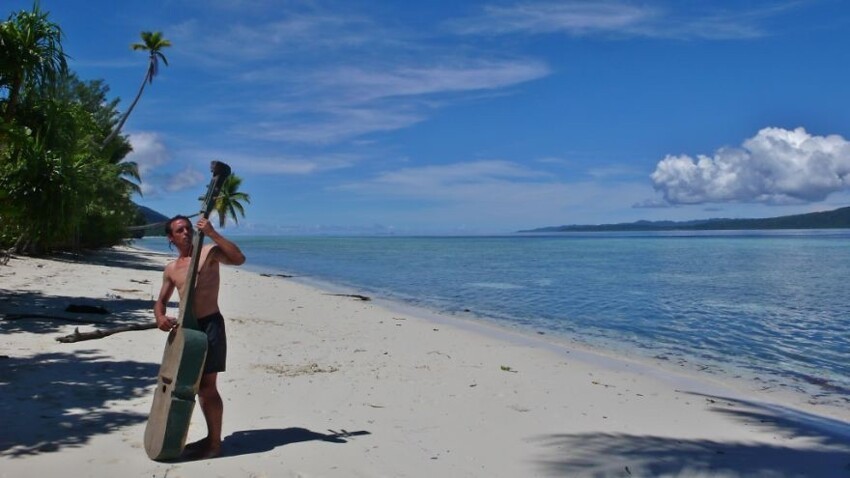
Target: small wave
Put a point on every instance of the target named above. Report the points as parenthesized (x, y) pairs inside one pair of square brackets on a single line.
[(495, 285)]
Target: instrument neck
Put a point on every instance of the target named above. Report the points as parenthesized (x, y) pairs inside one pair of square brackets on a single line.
[(187, 313)]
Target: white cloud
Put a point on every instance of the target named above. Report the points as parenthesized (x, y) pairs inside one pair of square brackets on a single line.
[(156, 167), (618, 18), (290, 165), (185, 179), (332, 126), (576, 18), (265, 163), (150, 154), (344, 102), (274, 38), (448, 180), (329, 76), (481, 194), (361, 84), (776, 166)]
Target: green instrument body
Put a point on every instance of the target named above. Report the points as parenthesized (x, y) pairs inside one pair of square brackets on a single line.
[(183, 360)]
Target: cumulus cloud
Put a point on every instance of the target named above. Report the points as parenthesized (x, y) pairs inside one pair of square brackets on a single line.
[(776, 166), (156, 168), (185, 179), (149, 153)]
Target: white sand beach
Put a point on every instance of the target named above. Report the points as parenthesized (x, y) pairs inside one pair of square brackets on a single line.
[(331, 385)]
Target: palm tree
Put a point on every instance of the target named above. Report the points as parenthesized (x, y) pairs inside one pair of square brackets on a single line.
[(30, 55), (227, 203), (152, 42)]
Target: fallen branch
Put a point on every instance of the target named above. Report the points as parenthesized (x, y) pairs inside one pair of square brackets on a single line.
[(355, 296), (77, 336)]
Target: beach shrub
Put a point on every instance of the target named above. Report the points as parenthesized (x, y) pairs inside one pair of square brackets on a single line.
[(59, 189)]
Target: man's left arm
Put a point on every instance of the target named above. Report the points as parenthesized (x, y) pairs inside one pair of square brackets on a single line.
[(227, 252)]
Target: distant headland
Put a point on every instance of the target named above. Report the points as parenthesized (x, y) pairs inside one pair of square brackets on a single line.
[(835, 219)]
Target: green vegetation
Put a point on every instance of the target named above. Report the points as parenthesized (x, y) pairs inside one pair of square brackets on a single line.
[(153, 43), (61, 185), (229, 200)]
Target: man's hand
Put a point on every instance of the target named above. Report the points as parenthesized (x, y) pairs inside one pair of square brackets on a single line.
[(166, 324), (205, 226)]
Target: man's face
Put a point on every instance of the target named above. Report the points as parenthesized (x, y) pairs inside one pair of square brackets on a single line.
[(181, 232)]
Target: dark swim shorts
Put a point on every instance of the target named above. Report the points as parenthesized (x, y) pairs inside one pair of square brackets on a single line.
[(213, 326)]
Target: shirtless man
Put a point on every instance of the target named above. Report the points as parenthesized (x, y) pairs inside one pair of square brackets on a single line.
[(222, 251)]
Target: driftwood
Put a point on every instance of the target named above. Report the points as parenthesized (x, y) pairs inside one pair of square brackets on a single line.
[(355, 296), (78, 336)]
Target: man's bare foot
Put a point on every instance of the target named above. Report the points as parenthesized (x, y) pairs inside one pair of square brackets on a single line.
[(202, 443), (202, 449)]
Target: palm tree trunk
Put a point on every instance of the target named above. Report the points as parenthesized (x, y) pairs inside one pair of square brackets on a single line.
[(129, 110)]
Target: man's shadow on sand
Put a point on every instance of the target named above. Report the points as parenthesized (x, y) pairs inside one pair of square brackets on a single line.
[(248, 442)]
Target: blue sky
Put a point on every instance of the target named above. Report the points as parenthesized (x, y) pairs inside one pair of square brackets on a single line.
[(480, 116)]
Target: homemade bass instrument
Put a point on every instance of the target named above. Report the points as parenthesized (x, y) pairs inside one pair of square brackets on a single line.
[(185, 352)]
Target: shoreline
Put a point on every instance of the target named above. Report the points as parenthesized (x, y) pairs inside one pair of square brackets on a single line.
[(691, 376), (710, 377), (333, 386)]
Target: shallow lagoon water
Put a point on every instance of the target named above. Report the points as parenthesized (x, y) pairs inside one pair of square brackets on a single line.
[(760, 304)]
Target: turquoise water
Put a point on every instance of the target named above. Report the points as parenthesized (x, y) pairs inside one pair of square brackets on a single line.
[(769, 306)]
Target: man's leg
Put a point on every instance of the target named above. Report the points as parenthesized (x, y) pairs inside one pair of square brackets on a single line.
[(213, 409)]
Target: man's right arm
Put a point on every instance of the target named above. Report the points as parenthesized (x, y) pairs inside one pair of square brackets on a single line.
[(164, 322)]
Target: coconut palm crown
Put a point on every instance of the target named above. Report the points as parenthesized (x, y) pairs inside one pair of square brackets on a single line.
[(228, 203), (153, 43)]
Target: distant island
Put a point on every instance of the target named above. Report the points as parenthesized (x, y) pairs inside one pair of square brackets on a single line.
[(836, 219), (148, 222)]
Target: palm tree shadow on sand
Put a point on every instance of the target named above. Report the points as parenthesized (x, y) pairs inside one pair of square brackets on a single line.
[(825, 451), (247, 442)]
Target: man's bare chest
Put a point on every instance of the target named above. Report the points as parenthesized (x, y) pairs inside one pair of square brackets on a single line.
[(206, 275)]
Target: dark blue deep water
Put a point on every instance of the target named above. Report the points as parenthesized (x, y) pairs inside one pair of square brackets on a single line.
[(771, 305)]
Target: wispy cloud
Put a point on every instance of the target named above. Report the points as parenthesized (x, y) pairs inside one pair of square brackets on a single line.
[(361, 85), (477, 193), (575, 18), (290, 37), (428, 180), (315, 76), (617, 19), (326, 127), (346, 102), (263, 164)]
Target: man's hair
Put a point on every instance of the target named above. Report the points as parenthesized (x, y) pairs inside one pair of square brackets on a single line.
[(176, 218)]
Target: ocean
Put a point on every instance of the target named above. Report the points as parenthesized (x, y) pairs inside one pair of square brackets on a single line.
[(766, 306)]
